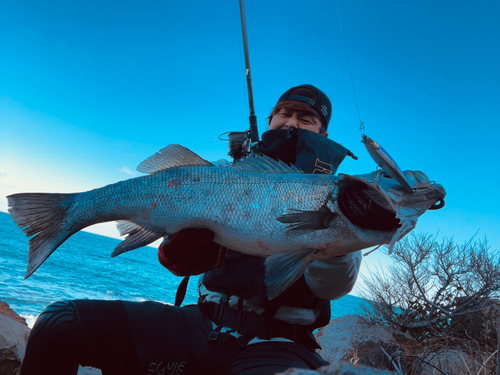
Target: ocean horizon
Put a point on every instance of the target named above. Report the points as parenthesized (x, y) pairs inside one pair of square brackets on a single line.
[(82, 268)]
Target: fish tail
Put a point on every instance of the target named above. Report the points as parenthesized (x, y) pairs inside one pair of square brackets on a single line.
[(46, 217)]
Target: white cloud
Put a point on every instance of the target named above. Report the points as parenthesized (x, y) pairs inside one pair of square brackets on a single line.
[(128, 171), (3, 173)]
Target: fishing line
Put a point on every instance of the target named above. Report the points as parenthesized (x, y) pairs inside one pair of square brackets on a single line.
[(379, 155), (361, 123)]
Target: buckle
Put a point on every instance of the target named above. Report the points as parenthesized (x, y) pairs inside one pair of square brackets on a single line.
[(213, 336)]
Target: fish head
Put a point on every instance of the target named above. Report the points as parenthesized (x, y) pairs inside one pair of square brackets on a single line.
[(365, 206), (384, 190), (378, 203)]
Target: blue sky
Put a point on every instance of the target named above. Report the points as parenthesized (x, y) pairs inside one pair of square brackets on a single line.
[(90, 89)]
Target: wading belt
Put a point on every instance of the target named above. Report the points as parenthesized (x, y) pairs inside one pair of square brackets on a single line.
[(252, 325)]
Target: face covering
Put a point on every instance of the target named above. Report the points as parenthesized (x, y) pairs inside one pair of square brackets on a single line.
[(309, 151)]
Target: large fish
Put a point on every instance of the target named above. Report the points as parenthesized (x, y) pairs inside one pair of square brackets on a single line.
[(257, 206)]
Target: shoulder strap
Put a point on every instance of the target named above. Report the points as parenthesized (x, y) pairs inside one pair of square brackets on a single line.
[(181, 291)]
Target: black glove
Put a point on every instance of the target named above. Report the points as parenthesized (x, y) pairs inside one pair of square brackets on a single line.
[(191, 252)]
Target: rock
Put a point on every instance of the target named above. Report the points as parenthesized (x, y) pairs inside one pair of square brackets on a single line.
[(351, 338), (13, 338), (88, 371), (450, 361), (5, 310), (339, 368)]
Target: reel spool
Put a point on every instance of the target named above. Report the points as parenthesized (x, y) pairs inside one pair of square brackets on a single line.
[(239, 144)]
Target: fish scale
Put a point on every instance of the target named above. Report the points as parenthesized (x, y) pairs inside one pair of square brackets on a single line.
[(201, 196), (258, 206)]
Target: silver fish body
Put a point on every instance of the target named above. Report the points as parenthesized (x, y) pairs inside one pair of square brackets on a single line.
[(258, 207)]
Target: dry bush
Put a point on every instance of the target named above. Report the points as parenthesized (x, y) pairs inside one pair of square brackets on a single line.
[(433, 291)]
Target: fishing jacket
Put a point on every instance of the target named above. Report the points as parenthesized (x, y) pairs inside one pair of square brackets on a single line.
[(239, 283)]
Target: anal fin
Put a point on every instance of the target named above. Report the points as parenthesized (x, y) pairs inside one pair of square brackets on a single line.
[(282, 270), (137, 236)]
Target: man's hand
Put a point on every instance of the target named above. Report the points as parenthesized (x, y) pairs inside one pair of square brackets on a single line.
[(191, 252)]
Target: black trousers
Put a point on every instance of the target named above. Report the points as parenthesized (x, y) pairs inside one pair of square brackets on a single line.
[(148, 338)]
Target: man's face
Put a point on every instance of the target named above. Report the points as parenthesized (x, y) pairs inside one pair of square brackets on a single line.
[(287, 118)]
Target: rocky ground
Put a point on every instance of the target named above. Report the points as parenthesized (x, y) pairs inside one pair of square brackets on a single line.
[(349, 343)]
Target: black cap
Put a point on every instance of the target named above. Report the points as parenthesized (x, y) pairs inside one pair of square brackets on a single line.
[(312, 96)]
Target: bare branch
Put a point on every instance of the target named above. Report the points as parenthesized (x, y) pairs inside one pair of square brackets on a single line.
[(433, 289)]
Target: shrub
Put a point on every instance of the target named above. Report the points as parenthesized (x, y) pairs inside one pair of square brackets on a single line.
[(434, 292)]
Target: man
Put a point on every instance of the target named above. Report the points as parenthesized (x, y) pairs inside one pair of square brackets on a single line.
[(234, 329)]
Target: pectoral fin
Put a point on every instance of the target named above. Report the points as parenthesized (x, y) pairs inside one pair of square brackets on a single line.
[(137, 236), (311, 220), (282, 270)]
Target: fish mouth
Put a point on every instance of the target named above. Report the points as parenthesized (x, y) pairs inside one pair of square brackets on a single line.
[(434, 194), (362, 206)]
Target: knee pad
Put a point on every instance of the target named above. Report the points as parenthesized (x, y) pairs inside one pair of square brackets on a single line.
[(58, 321), (50, 349)]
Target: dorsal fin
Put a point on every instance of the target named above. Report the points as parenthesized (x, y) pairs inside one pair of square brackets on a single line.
[(170, 157), (264, 164)]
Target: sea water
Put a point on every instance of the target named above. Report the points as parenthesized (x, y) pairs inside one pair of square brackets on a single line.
[(82, 268)]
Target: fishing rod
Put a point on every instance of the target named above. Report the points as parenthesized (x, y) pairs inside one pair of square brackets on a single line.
[(253, 119), (240, 143)]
